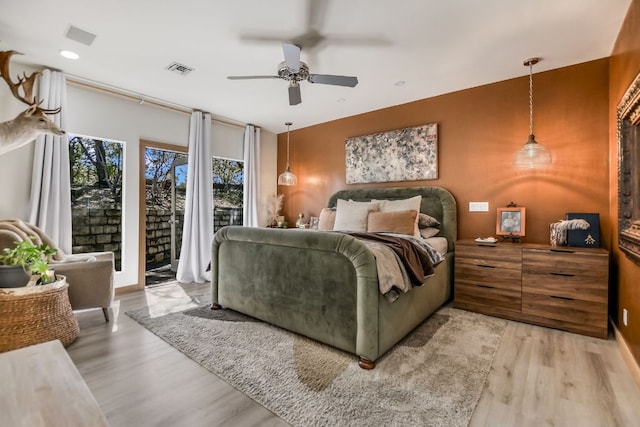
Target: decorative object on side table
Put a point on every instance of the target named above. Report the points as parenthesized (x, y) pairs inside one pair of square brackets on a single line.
[(273, 210), (314, 221), (23, 260), (510, 222), (587, 236), (558, 230), (300, 223)]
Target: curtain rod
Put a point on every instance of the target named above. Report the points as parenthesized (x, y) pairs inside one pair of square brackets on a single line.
[(143, 99)]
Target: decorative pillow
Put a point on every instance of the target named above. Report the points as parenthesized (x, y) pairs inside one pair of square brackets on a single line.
[(403, 205), (327, 219), (428, 232), (352, 216), (392, 222), (425, 221)]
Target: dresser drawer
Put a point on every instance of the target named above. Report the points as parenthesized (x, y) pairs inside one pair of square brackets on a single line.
[(565, 313), (566, 262), (499, 274), (474, 295), (486, 252), (574, 287)]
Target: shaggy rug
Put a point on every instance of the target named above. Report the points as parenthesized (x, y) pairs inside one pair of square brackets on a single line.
[(434, 377)]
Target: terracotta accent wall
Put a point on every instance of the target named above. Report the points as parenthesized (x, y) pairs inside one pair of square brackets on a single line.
[(479, 131), (624, 66)]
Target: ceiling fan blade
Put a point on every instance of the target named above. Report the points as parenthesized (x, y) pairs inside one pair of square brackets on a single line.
[(251, 77), (292, 56), (261, 38), (354, 40), (294, 94), (328, 79), (316, 12)]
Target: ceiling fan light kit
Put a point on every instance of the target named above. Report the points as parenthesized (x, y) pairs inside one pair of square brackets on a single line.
[(293, 70)]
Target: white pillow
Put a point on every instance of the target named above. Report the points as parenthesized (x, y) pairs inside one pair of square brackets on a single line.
[(352, 216), (403, 205)]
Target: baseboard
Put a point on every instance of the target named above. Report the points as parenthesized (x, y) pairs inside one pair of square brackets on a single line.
[(631, 362), (127, 289)]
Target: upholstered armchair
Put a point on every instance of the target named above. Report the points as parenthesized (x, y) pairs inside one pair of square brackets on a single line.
[(90, 275)]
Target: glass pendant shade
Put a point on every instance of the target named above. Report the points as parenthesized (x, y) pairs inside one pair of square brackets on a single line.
[(287, 177), (533, 155)]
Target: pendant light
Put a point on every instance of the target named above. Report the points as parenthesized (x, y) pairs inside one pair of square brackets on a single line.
[(286, 177), (532, 155)]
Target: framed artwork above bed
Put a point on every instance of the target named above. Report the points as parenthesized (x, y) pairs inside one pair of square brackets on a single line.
[(409, 154)]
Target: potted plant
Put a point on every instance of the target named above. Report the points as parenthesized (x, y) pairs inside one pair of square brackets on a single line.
[(23, 260)]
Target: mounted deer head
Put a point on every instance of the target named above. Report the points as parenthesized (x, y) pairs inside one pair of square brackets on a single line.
[(31, 122)]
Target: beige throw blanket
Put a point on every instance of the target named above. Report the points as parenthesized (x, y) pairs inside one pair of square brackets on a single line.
[(392, 274)]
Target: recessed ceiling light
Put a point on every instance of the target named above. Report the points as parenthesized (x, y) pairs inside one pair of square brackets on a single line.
[(399, 83), (69, 55)]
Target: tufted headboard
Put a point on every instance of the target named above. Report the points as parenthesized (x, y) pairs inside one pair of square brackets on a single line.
[(436, 201)]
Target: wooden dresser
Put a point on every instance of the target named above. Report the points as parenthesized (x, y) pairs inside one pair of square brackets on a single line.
[(559, 287)]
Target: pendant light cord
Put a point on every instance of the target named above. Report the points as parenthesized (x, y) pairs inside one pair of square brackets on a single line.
[(530, 98), (288, 124)]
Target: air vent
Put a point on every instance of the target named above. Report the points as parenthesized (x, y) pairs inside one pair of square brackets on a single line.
[(179, 68), (80, 36)]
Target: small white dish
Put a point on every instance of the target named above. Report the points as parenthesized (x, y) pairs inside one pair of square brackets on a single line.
[(486, 240)]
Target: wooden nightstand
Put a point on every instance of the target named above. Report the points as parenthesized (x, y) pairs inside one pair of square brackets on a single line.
[(560, 287)]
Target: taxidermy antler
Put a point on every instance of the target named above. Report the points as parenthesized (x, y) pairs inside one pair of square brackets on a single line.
[(31, 122)]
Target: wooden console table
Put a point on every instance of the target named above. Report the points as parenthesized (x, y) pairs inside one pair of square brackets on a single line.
[(42, 387), (556, 286)]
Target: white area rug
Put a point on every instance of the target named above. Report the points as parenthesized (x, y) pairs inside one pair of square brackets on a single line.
[(434, 377)]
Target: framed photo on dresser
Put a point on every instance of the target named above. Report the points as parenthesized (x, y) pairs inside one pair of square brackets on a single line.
[(313, 222), (510, 221)]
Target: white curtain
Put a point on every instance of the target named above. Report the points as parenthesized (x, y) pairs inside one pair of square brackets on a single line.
[(197, 230), (50, 204), (251, 191)]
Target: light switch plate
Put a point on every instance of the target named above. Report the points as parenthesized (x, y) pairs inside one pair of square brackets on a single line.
[(478, 206)]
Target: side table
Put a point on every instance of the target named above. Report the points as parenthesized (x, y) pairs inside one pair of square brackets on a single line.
[(36, 314), (42, 387)]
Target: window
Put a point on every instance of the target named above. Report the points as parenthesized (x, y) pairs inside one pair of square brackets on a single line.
[(96, 195), (228, 182)]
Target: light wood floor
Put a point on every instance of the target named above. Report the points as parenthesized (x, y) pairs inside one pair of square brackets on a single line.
[(539, 377)]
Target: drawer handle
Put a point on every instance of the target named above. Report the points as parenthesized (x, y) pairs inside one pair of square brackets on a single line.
[(563, 251), (486, 266), (563, 274), (487, 246), (562, 298), (485, 286)]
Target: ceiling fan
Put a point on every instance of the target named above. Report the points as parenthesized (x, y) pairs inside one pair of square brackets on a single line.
[(294, 71)]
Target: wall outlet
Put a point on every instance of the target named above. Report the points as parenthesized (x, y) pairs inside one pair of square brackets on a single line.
[(478, 206), (625, 317)]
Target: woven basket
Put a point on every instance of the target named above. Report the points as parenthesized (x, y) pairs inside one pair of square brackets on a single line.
[(35, 314)]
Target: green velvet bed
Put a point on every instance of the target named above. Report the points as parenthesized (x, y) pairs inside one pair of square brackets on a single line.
[(323, 285)]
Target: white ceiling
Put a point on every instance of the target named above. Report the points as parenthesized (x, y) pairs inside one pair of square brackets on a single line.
[(435, 46)]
